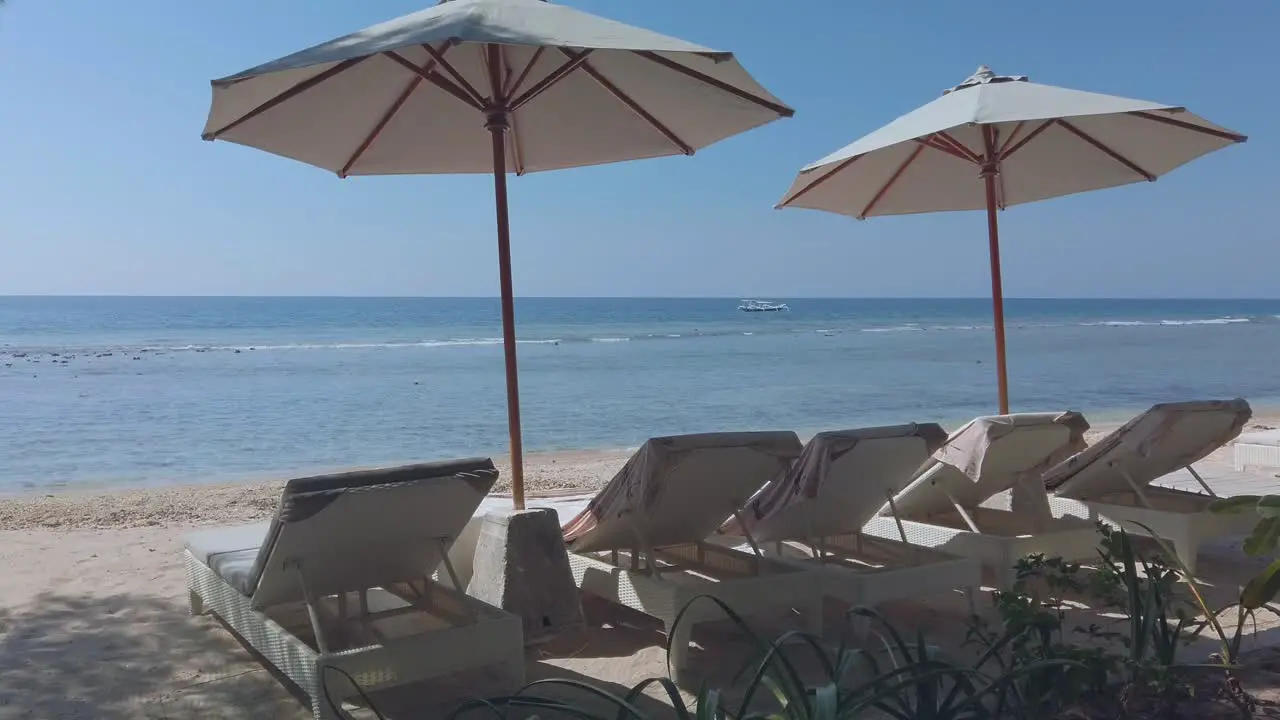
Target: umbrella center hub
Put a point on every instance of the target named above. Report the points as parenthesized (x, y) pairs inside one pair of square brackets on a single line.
[(497, 120), (990, 169)]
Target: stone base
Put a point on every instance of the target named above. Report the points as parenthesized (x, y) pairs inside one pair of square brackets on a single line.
[(522, 566)]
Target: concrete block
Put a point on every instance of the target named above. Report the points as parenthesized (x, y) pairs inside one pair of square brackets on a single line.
[(522, 566)]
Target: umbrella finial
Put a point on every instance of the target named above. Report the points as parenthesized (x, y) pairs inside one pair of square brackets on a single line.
[(984, 76)]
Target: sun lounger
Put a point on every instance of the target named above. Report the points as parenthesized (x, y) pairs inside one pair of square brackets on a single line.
[(1259, 449), (952, 504), (820, 505), (287, 586), (642, 541), (1112, 478)]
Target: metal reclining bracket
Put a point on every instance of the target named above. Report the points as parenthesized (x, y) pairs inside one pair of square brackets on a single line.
[(968, 519), (964, 514), (313, 608), (316, 613), (442, 543), (746, 532), (1200, 480), (902, 530), (897, 519)]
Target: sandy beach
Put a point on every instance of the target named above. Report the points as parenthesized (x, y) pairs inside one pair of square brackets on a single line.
[(94, 622)]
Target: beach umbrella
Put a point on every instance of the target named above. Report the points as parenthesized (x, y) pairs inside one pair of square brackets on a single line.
[(490, 86), (994, 141)]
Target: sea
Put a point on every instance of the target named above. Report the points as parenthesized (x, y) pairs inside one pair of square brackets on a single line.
[(138, 391)]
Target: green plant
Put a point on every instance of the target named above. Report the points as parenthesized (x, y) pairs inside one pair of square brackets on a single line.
[(1263, 540), (1159, 620), (1140, 653), (1227, 660), (1026, 665), (1032, 614), (909, 680)]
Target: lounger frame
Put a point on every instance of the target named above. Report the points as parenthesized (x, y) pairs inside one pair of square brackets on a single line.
[(866, 570), (1178, 516), (662, 581), (997, 538), (1000, 540), (474, 635)]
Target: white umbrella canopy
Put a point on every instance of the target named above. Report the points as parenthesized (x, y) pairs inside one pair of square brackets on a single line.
[(492, 86), (995, 141), (410, 96), (1046, 142)]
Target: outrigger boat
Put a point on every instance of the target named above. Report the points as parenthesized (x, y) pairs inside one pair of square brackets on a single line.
[(762, 306)]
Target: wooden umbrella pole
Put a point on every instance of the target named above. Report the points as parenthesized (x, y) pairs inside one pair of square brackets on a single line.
[(498, 123), (990, 173), (997, 291)]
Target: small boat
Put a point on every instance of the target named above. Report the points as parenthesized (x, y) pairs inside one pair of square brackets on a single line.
[(762, 306)]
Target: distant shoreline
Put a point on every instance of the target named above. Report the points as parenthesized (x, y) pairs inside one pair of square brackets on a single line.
[(733, 298), (251, 500), (556, 468)]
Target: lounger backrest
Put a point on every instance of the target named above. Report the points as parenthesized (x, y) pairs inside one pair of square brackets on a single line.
[(989, 456), (839, 482), (1162, 440), (678, 490), (359, 530)]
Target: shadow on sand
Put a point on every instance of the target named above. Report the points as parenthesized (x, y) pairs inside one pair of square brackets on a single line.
[(128, 656), (136, 657)]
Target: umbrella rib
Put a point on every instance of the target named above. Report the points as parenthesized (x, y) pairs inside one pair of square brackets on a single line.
[(457, 76), (1233, 137), (1012, 136), (289, 94), (385, 119), (1007, 153), (915, 153), (946, 137), (636, 108), (1108, 151), (435, 79), (670, 64), (524, 74), (575, 61), (825, 177), (940, 146)]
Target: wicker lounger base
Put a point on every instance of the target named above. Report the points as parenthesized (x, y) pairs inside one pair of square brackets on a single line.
[(1180, 517), (1003, 542), (865, 570), (460, 633), (745, 582)]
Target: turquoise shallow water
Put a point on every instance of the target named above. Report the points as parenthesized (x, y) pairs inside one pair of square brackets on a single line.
[(135, 391)]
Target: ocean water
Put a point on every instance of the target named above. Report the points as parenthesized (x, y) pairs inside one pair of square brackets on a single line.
[(139, 391)]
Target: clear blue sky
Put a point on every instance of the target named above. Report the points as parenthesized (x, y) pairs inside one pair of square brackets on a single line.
[(106, 186)]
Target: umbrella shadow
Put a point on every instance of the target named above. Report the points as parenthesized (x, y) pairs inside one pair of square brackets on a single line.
[(128, 656)]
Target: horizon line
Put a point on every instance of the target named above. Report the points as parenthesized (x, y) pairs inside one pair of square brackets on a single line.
[(140, 296)]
